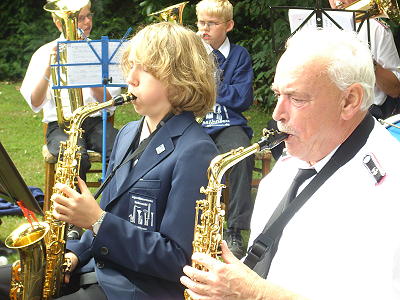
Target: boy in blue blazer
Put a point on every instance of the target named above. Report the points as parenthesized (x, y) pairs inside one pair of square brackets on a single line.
[(140, 236)]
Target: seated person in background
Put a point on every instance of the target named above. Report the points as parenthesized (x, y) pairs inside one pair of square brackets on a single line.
[(226, 124), (386, 63), (344, 242), (37, 90)]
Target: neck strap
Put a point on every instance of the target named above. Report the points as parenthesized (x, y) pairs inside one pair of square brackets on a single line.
[(129, 155), (268, 240)]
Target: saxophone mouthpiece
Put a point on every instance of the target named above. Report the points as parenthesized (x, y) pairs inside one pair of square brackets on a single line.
[(272, 138), (123, 98)]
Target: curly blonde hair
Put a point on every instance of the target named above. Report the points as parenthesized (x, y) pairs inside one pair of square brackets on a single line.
[(177, 57)]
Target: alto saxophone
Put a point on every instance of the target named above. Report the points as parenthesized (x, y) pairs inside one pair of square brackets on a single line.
[(209, 217), (40, 271)]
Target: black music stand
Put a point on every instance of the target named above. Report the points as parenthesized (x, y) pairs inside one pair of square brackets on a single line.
[(13, 187), (318, 12)]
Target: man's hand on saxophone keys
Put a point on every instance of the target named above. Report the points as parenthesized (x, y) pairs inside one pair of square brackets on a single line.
[(227, 279)]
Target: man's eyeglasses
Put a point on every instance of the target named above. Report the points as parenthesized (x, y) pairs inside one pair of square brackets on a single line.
[(202, 24), (82, 18)]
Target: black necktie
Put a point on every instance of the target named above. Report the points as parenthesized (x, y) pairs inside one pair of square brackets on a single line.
[(262, 265), (220, 57), (301, 176)]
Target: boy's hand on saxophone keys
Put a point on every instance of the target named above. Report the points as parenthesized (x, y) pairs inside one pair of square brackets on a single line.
[(79, 209)]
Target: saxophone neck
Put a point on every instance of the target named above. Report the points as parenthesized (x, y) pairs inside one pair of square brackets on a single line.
[(81, 113), (221, 163)]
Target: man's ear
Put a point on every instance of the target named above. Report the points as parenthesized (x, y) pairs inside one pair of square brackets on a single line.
[(229, 25), (352, 101)]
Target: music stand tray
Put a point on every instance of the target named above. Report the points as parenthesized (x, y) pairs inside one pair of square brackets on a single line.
[(12, 187)]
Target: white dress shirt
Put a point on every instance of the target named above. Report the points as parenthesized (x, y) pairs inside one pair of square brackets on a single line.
[(383, 50), (344, 243), (34, 73)]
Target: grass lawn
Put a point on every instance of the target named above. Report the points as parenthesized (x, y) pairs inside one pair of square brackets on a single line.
[(21, 133)]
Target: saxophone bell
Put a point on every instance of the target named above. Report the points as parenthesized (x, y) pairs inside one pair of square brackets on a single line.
[(27, 273)]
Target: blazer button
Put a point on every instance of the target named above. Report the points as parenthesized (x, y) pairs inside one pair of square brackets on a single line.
[(100, 264), (104, 251)]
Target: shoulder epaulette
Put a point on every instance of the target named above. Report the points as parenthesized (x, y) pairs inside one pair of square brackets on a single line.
[(374, 168)]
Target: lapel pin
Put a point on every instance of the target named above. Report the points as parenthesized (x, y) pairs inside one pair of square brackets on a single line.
[(160, 149)]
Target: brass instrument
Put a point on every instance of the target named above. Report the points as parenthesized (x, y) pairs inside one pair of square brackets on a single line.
[(374, 9), (209, 217), (42, 266), (67, 12), (27, 277), (173, 13)]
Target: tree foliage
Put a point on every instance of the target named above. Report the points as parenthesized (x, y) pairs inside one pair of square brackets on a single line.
[(25, 26)]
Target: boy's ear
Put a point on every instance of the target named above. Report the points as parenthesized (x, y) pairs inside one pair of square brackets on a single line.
[(229, 25)]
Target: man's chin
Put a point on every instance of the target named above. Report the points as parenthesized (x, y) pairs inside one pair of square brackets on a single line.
[(291, 149)]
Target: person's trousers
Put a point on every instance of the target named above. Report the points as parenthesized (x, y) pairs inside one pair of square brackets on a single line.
[(74, 291), (5, 279), (92, 138), (240, 204)]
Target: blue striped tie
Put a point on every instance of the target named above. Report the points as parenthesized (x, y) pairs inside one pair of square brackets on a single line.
[(220, 57)]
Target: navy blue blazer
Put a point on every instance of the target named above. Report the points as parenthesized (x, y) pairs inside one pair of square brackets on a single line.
[(235, 93), (146, 236)]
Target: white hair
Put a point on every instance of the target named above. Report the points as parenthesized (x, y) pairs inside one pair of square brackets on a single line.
[(348, 59)]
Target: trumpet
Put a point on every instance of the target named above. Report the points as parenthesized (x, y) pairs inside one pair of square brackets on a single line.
[(67, 13), (173, 13), (373, 9)]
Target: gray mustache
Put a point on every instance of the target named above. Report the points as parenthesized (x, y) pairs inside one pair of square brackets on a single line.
[(285, 128)]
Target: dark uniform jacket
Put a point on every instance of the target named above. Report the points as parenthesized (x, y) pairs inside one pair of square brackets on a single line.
[(146, 236)]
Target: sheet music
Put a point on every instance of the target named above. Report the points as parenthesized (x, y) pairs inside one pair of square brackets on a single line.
[(343, 18), (89, 68), (115, 70)]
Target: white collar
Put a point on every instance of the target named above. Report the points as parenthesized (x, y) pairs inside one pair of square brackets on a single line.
[(318, 165), (225, 48), (145, 131)]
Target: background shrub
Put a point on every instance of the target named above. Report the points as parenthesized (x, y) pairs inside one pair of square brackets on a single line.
[(25, 26)]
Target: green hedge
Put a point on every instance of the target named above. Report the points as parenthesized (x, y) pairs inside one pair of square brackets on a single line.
[(25, 26)]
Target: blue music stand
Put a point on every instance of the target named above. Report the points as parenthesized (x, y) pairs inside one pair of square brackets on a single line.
[(102, 61)]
